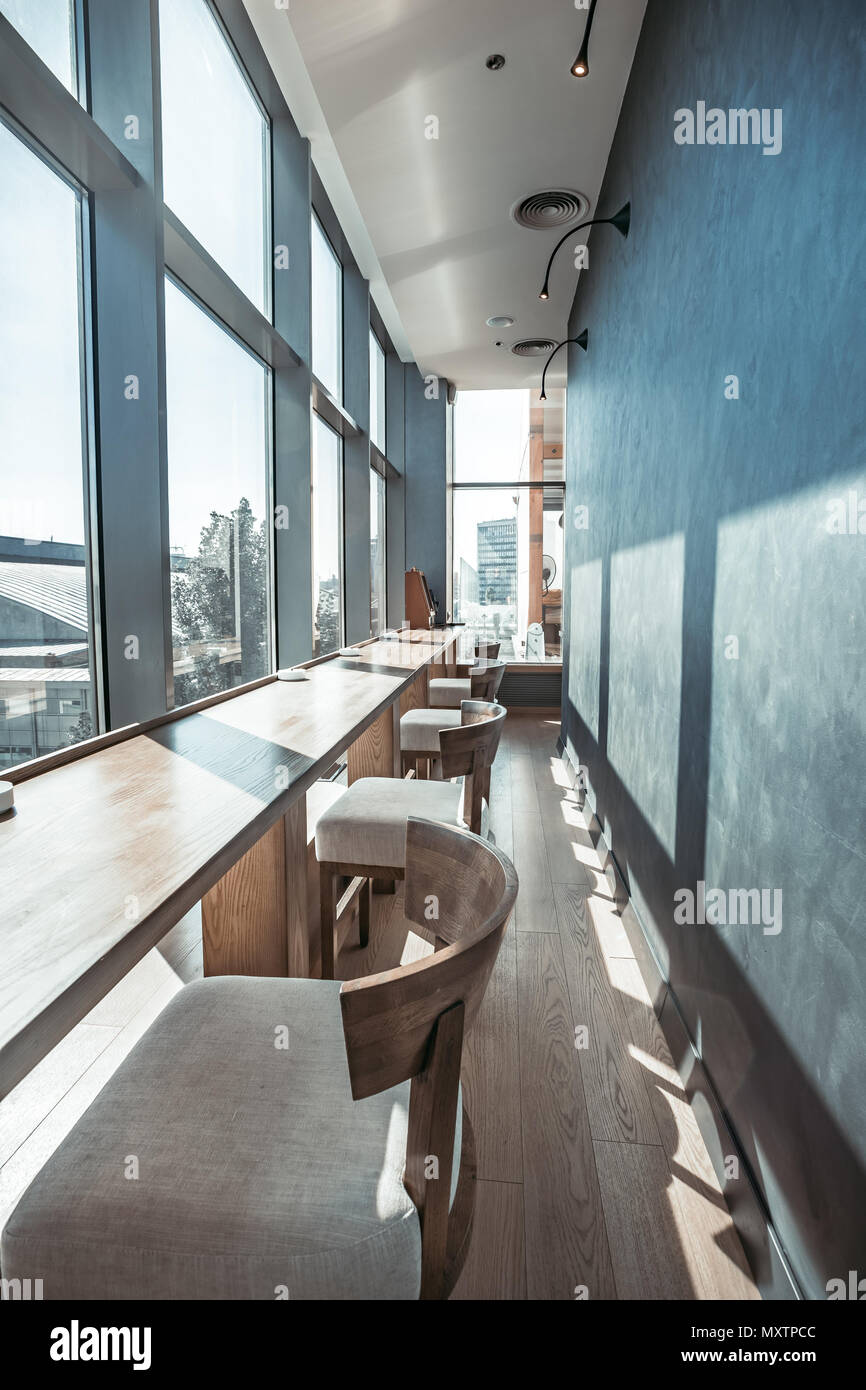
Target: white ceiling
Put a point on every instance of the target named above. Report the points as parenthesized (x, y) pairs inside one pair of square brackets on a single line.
[(428, 220)]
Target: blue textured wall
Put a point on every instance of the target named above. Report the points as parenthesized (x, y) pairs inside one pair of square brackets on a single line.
[(425, 481), (742, 764)]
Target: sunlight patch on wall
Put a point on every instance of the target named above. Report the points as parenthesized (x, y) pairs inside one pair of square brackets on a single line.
[(584, 649), (646, 618)]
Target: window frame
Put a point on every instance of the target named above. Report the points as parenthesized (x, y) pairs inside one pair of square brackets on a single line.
[(454, 488)]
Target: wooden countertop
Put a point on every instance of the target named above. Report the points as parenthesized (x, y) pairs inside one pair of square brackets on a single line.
[(105, 852)]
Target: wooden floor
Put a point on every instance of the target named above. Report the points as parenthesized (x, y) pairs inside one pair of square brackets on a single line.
[(593, 1178)]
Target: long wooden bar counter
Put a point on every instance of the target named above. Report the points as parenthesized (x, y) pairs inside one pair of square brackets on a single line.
[(107, 849)]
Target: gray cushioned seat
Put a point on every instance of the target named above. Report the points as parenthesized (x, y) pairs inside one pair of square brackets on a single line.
[(257, 1172), (368, 823), (419, 728), (446, 692)]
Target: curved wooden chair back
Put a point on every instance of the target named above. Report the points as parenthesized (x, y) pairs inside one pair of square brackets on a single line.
[(489, 650), (472, 744), (409, 1023), (468, 752), (486, 683)]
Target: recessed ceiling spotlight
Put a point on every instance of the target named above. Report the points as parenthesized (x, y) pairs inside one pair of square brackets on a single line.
[(500, 321), (495, 62)]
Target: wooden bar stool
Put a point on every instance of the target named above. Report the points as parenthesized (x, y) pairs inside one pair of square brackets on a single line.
[(470, 683), (420, 750), (363, 835), (272, 1138)]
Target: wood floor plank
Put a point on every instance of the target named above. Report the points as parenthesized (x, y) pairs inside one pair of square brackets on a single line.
[(535, 910), (713, 1250), (491, 1073), (495, 1267), (616, 1097), (566, 1244), (644, 1223)]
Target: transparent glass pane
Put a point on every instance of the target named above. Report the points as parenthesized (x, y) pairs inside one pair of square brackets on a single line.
[(491, 436), (327, 539), (378, 617), (327, 288), (46, 693), (377, 393), (49, 28), (218, 463), (507, 568), (214, 145)]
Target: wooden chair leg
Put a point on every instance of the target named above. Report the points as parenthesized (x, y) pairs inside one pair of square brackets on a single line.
[(328, 919), (364, 910), (432, 1118), (472, 795), (384, 885)]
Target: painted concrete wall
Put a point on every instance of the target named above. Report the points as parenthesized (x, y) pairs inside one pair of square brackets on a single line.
[(714, 598), (425, 480)]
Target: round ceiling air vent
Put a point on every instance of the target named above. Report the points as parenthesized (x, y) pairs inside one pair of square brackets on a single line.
[(533, 347), (500, 321), (554, 207)]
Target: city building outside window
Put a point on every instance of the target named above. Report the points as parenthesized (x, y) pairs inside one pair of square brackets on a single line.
[(508, 501)]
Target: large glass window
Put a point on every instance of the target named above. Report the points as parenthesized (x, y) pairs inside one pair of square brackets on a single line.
[(215, 145), (377, 393), (327, 289), (506, 570), (218, 470), (378, 616), (49, 28), (327, 537), (46, 640)]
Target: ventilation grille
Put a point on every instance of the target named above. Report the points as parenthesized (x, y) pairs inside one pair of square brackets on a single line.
[(533, 347), (555, 207)]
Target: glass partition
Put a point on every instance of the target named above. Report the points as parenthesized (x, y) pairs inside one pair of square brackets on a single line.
[(507, 520)]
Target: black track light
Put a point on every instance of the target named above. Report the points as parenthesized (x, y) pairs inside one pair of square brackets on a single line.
[(581, 340), (621, 220), (580, 66)]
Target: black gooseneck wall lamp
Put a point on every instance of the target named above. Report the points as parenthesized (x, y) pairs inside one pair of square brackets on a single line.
[(580, 66), (582, 339), (621, 220)]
